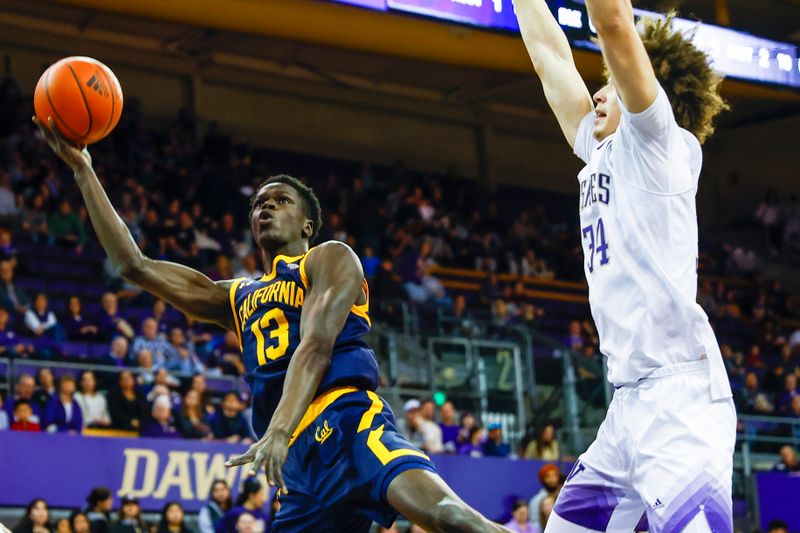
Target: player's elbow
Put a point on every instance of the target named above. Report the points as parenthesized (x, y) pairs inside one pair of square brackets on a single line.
[(133, 269), (613, 24)]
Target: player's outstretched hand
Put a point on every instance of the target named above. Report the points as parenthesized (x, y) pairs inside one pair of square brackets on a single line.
[(76, 158), (269, 452)]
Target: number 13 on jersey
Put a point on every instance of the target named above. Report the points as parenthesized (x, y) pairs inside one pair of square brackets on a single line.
[(596, 235), (275, 324)]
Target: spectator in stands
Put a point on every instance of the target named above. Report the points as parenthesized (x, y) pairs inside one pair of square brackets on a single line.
[(575, 340), (24, 418), (249, 268), (99, 504), (222, 269), (152, 341), (449, 426), (227, 356), (228, 423), (33, 219), (7, 250), (370, 263), (36, 518), (183, 243), (545, 510), (62, 526), (252, 498), (777, 526), (24, 390), (160, 315), (200, 386), (63, 414), (66, 228), (5, 423), (130, 517), (94, 405), (494, 445), (750, 400), (109, 322), (388, 285), (192, 420), (544, 446), (10, 344), (788, 462), (172, 520), (246, 523), (147, 370), (46, 388), (466, 423), (790, 392), (431, 432), (118, 353), (519, 522), (218, 504), (76, 325), (41, 321), (165, 382), (12, 297), (180, 354), (79, 522), (473, 447), (126, 404), (550, 480), (160, 424)]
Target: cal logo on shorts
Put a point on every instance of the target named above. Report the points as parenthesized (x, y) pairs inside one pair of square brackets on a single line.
[(323, 432)]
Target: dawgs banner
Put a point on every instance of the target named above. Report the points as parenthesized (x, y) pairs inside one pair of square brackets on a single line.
[(63, 469)]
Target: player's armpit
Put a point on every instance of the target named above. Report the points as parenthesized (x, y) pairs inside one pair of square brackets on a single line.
[(190, 291), (623, 52)]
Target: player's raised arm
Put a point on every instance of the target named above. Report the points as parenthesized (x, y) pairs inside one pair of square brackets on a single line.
[(189, 290), (335, 279), (624, 54), (549, 49)]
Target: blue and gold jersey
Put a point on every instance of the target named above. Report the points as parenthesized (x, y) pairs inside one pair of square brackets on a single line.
[(267, 316)]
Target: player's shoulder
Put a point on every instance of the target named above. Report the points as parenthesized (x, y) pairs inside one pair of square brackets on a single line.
[(331, 254)]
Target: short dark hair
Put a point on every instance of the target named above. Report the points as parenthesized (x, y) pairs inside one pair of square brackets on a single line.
[(313, 209), (777, 525), (98, 494)]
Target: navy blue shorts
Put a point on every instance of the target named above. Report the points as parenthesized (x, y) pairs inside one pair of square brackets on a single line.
[(341, 460)]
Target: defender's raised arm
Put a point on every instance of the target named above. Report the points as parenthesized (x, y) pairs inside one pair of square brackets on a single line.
[(187, 289), (624, 54), (549, 50)]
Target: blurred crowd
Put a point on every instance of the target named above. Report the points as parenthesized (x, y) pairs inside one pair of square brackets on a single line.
[(252, 511)]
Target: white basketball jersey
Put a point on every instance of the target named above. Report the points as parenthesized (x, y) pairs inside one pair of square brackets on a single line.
[(639, 236)]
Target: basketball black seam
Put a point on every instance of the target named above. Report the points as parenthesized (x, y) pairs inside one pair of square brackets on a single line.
[(110, 90), (53, 107), (85, 103)]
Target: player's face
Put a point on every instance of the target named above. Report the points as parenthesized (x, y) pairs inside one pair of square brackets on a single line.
[(279, 216), (607, 111)]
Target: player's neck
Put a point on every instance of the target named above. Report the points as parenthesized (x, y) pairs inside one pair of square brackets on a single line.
[(292, 249)]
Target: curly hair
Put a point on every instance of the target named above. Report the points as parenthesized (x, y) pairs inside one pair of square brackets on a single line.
[(685, 73), (313, 209)]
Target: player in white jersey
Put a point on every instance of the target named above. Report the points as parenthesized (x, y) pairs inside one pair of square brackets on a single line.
[(664, 452)]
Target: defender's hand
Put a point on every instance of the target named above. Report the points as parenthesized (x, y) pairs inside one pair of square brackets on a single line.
[(269, 452), (76, 158)]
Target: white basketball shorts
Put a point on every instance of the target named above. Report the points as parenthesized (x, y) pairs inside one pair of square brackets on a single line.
[(663, 455)]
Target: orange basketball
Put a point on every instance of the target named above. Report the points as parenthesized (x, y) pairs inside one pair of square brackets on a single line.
[(82, 95)]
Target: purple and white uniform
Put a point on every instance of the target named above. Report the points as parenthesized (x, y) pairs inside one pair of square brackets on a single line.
[(665, 448)]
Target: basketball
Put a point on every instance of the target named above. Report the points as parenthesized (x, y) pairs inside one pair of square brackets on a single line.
[(82, 95)]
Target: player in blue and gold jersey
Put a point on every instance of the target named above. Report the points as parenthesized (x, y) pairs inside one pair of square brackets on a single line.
[(327, 440)]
